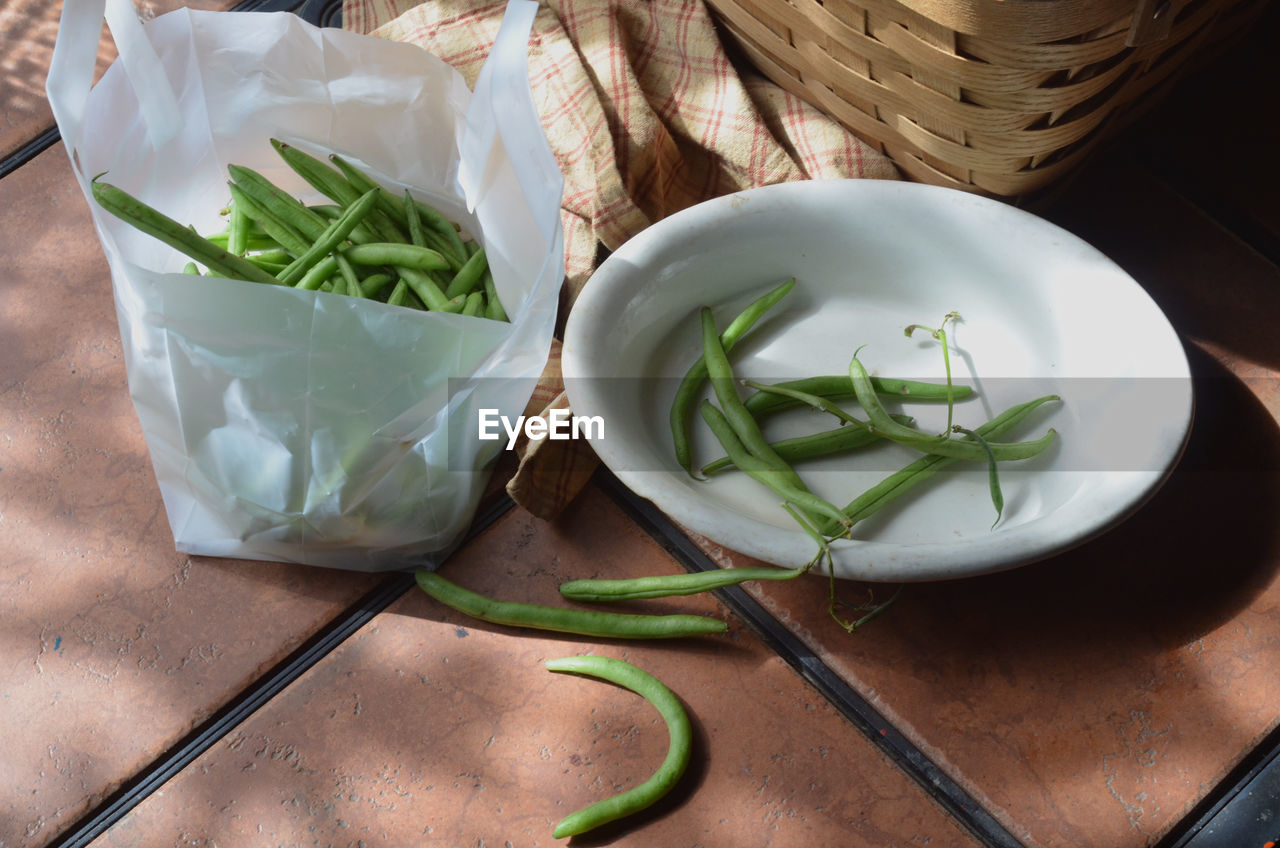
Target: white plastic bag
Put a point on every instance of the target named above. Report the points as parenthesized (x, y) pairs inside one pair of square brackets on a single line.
[(293, 425)]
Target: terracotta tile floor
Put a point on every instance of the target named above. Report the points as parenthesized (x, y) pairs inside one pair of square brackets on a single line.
[(1112, 697)]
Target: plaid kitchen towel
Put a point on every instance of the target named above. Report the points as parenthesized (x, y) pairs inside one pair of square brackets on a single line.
[(646, 116)]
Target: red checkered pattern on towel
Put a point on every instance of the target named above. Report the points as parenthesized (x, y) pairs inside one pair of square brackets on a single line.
[(646, 115)]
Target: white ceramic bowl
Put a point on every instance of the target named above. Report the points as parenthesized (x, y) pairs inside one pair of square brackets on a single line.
[(1041, 312)]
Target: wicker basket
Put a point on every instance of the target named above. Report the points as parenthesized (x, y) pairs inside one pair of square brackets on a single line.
[(1001, 97)]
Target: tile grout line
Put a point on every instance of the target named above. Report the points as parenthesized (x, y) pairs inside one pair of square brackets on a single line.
[(1233, 793), (857, 710), (199, 740)]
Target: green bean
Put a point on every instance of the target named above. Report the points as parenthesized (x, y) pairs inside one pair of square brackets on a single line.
[(402, 255), (372, 285), (333, 235), (317, 174), (764, 473), (402, 295), (317, 274), (348, 275), (691, 384), (581, 622), (993, 473), (288, 238), (389, 210), (425, 288), (266, 264), (641, 588), (474, 305), (493, 306), (828, 442), (884, 425), (720, 375), (839, 387), (679, 746), (238, 230), (438, 223), (155, 223), (332, 185), (413, 220), (469, 276), (900, 482), (255, 241), (280, 203)]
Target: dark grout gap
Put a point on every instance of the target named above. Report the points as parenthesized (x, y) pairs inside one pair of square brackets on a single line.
[(1240, 811), (118, 804), (856, 709)]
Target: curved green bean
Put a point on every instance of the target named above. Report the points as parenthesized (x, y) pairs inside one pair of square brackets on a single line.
[(581, 622), (687, 393), (667, 585), (679, 747)]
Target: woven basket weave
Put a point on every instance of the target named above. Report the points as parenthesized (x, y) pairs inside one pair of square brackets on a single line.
[(1000, 97)]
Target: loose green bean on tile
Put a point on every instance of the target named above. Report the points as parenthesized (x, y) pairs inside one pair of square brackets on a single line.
[(565, 620), (679, 744)]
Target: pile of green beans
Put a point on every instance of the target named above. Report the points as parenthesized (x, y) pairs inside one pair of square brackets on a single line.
[(366, 243)]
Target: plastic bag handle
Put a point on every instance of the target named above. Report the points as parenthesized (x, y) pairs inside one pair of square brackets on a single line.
[(502, 89), (75, 55)]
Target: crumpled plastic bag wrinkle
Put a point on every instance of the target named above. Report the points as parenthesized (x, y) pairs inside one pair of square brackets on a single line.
[(303, 426)]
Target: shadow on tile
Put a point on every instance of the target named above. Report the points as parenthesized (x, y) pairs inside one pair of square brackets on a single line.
[(1201, 550)]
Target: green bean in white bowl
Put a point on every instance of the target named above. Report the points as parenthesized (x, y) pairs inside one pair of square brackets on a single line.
[(1044, 325)]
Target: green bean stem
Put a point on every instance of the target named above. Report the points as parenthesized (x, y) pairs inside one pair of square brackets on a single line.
[(581, 622), (691, 384), (679, 747)]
